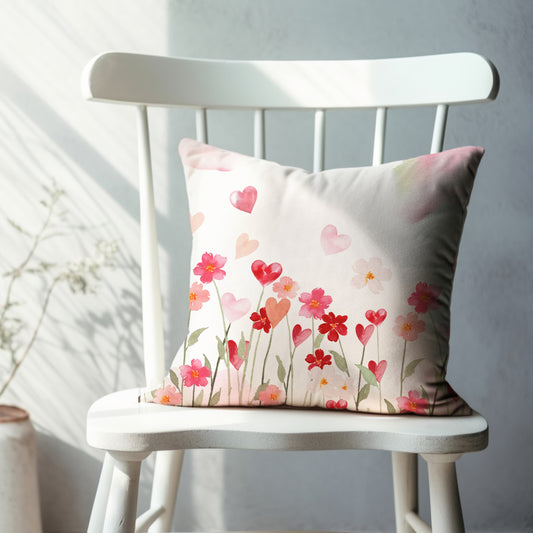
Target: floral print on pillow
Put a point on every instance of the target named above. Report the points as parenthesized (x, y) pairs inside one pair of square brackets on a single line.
[(327, 290)]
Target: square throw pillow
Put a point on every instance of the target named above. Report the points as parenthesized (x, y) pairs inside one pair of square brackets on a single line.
[(327, 290)]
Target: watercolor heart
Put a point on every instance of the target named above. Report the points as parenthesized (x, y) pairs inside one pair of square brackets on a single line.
[(264, 273), (364, 334), (245, 199), (233, 308), (277, 311), (233, 350), (245, 246), (299, 335), (376, 317), (378, 369), (332, 242), (196, 221)]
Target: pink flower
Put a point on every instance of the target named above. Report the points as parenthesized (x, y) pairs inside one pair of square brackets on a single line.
[(424, 298), (413, 403), (197, 296), (318, 359), (333, 326), (272, 395), (210, 268), (260, 320), (194, 374), (315, 303), (370, 274), (168, 395), (286, 287), (332, 404), (409, 327)]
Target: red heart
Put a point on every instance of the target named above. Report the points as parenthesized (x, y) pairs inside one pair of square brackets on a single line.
[(378, 369), (376, 317), (233, 350), (245, 199), (264, 273), (299, 335), (364, 334)]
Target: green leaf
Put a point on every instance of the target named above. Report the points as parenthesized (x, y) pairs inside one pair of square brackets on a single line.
[(367, 375), (318, 341), (281, 370), (221, 348), (200, 398), (174, 378), (207, 363), (241, 351), (339, 361), (194, 336), (390, 407), (425, 393), (215, 398), (410, 368), (363, 393), (260, 389)]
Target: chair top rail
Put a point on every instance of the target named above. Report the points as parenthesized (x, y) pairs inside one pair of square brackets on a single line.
[(328, 84)]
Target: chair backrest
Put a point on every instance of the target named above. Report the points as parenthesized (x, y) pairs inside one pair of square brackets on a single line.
[(143, 81)]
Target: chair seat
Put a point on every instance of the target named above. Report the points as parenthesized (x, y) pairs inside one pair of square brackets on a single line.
[(118, 422)]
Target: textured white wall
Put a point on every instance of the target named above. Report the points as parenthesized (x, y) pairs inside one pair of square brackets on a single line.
[(90, 345)]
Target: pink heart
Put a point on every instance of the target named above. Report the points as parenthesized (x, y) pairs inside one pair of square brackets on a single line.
[(364, 334), (378, 369), (196, 221), (264, 273), (376, 317), (299, 335), (332, 242), (276, 311), (245, 245), (233, 308), (233, 350), (245, 199)]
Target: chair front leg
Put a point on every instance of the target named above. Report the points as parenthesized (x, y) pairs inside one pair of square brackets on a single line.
[(96, 521), (405, 479), (122, 503), (445, 504)]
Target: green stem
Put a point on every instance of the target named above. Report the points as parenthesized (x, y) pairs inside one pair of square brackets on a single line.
[(344, 356), (266, 356), (403, 364), (359, 382), (379, 384), (17, 364), (253, 363), (186, 339)]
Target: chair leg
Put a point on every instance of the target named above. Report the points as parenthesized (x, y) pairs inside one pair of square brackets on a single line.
[(446, 513), (122, 503), (96, 521), (405, 480), (165, 487)]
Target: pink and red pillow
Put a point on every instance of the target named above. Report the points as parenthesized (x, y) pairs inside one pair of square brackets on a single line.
[(323, 290)]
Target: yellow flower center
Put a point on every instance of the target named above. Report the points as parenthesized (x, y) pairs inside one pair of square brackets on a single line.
[(407, 327), (412, 406), (195, 374), (192, 296), (287, 288), (314, 304), (323, 382), (165, 399), (210, 267), (273, 396), (369, 276)]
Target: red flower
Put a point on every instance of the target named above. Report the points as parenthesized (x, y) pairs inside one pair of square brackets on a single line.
[(318, 360), (210, 267), (333, 326), (260, 320), (409, 327), (413, 403), (332, 404), (194, 374), (424, 298)]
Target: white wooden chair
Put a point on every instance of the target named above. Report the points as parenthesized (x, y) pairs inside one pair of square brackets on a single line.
[(129, 431)]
